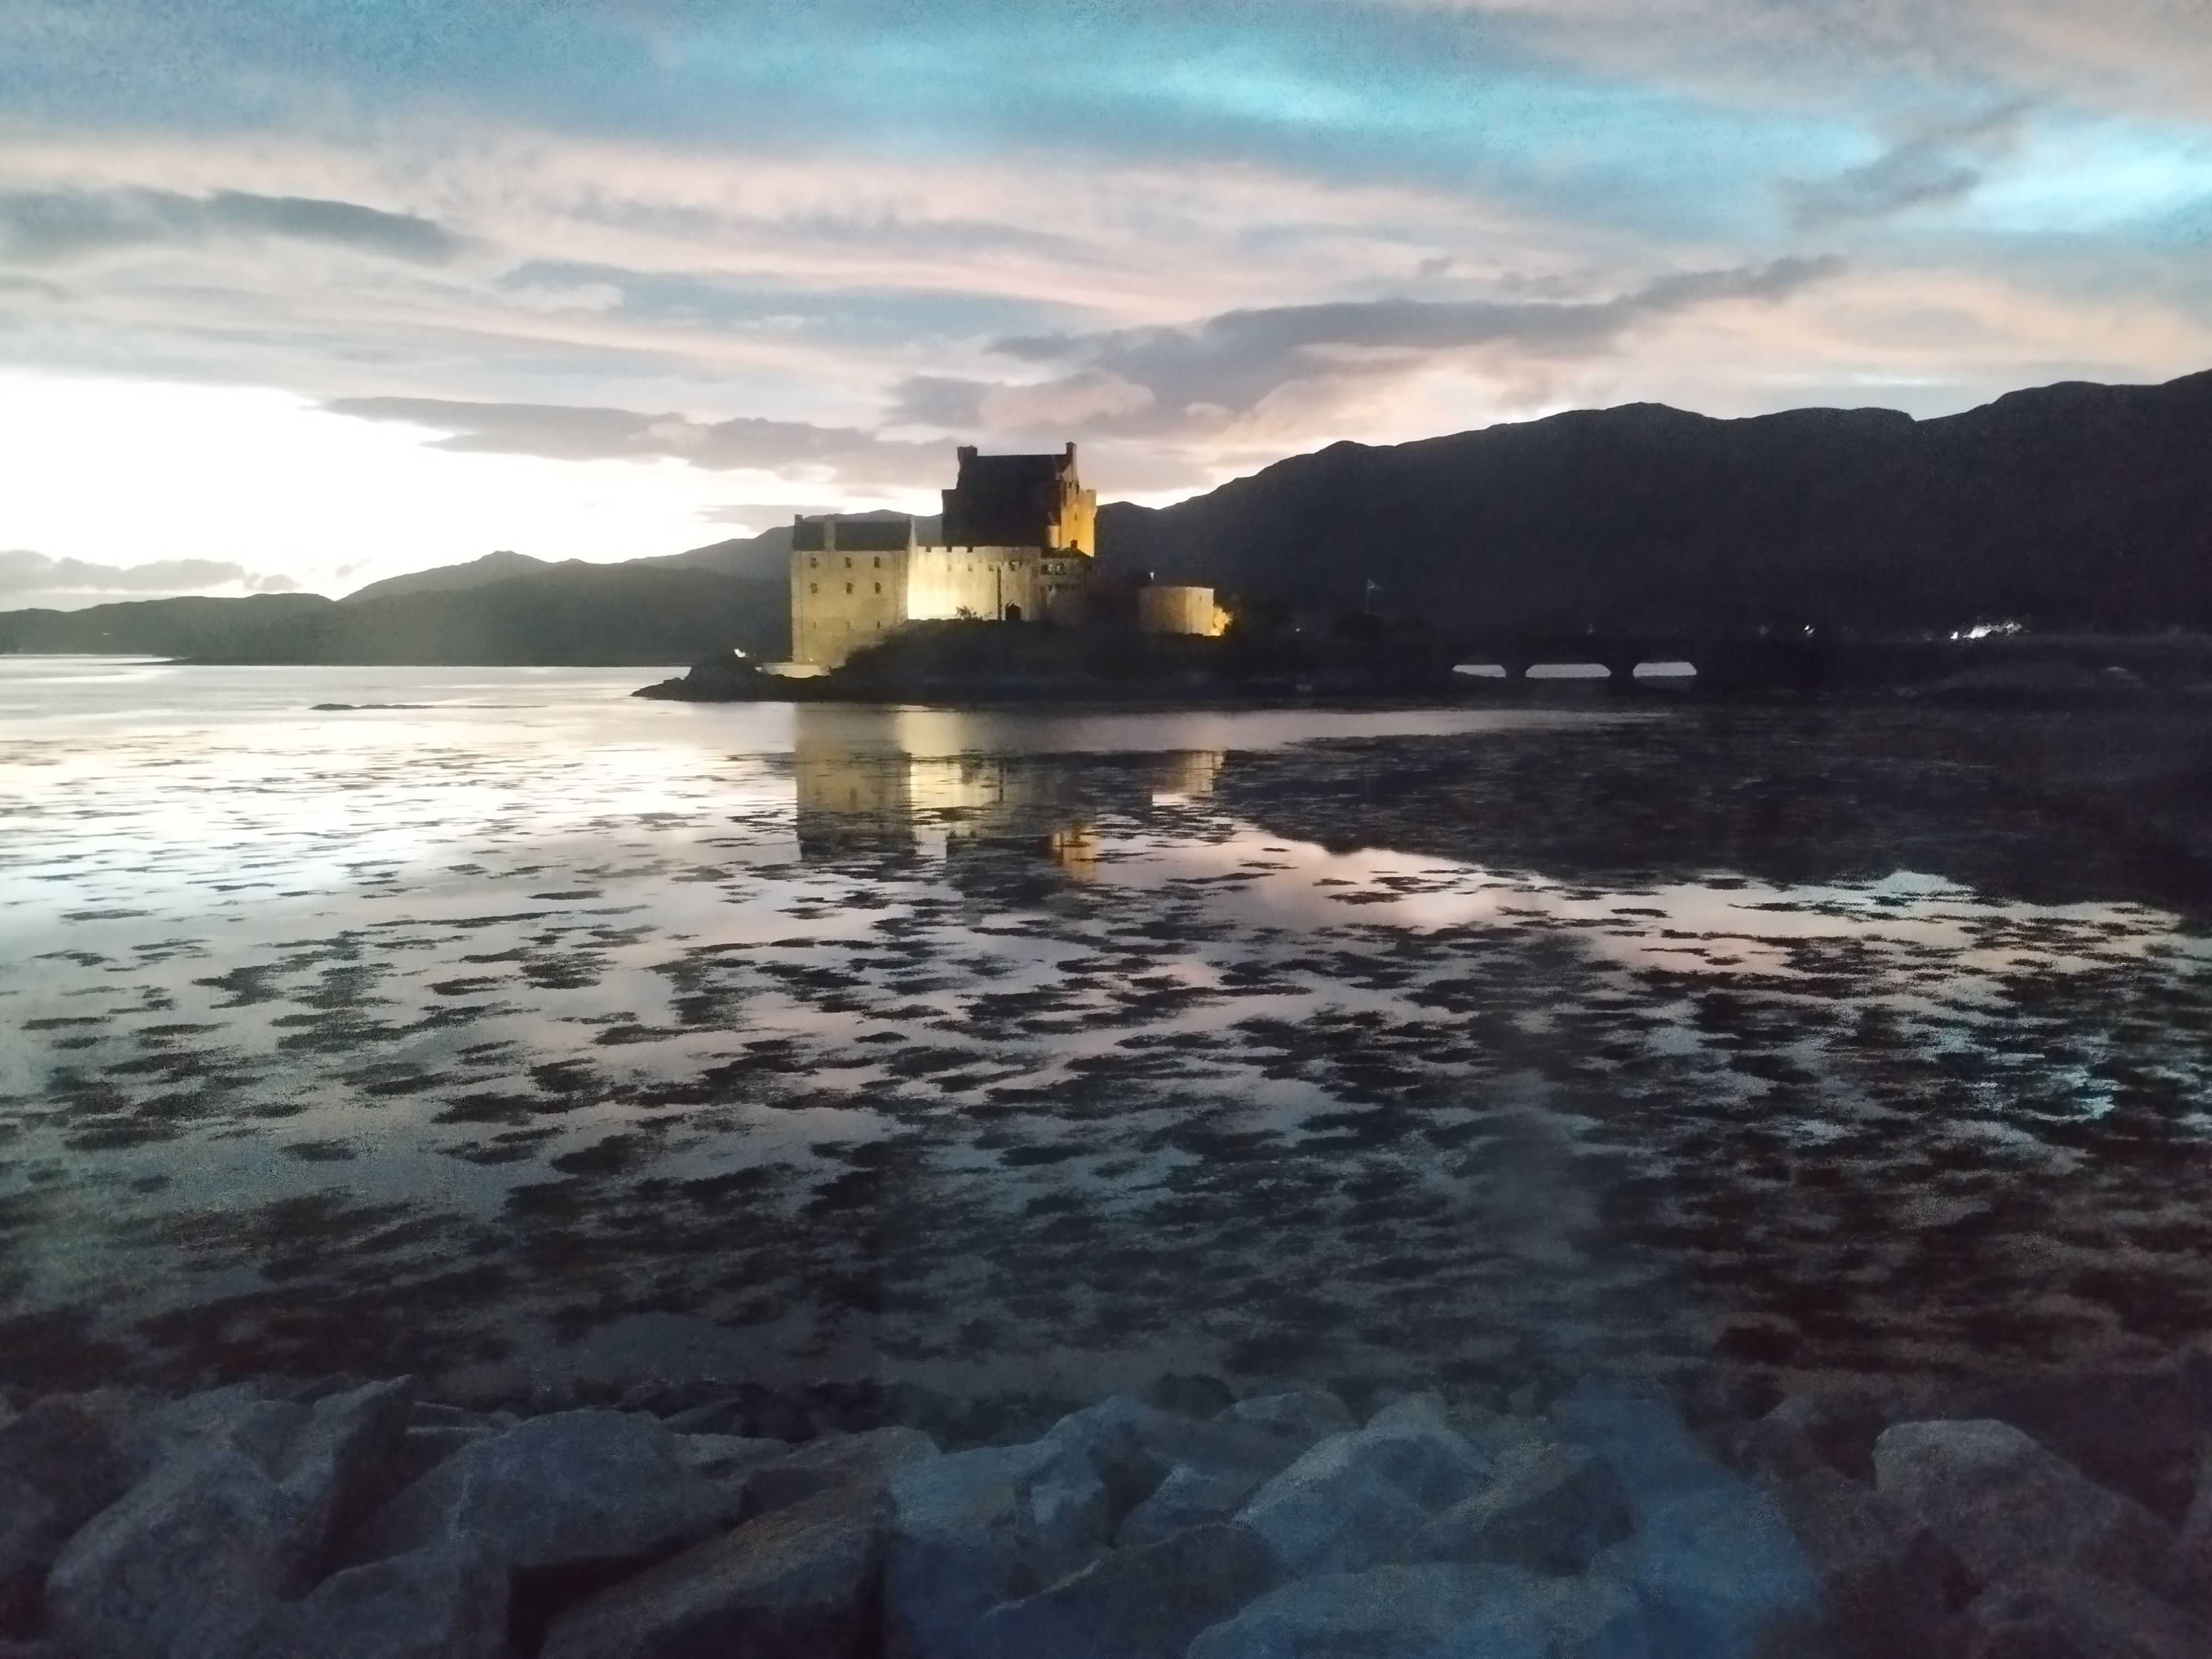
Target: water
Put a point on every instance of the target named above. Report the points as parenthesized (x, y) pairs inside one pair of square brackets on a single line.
[(497, 1026)]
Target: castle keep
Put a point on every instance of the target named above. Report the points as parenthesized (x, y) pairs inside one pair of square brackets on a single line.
[(1015, 544)]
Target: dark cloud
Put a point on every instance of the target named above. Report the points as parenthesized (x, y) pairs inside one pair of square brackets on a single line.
[(23, 572), (50, 226), (1231, 363), (1940, 164), (856, 459)]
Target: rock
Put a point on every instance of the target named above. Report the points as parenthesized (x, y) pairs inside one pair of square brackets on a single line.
[(422, 1449), (1888, 1583), (973, 1528), (573, 1487), (2005, 1506), (1433, 1610), (1353, 1500), (431, 1414), (1307, 1416), (1412, 1441), (2064, 1614), (340, 1461), (835, 1460), (1135, 1604), (1550, 1511), (30, 1536), (2138, 1432), (1332, 1511), (1189, 1395), (1831, 1429), (727, 1458), (801, 1583), (77, 1451), (245, 1501), (1187, 1497), (1719, 1574), (186, 1562), (444, 1602), (1646, 1445)]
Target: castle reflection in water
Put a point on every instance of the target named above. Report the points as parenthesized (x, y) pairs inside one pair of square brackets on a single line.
[(867, 787)]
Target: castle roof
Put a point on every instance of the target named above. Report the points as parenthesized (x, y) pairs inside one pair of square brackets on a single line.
[(1008, 501)]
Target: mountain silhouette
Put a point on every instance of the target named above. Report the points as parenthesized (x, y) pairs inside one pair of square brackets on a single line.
[(2074, 506)]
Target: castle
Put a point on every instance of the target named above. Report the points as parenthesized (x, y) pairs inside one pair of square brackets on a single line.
[(1015, 543)]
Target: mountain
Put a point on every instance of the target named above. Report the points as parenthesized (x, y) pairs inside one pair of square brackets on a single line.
[(569, 613), (451, 578), (2074, 506)]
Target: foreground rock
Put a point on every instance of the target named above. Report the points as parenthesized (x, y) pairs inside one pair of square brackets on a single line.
[(2005, 1506), (576, 1486), (1135, 1604), (1428, 1612), (801, 1583), (241, 1507)]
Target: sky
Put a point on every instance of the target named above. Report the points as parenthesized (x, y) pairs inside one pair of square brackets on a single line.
[(302, 294)]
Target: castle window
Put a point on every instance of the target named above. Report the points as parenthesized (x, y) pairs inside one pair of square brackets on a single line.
[(880, 563), (848, 586), (814, 587), (880, 587), (849, 564)]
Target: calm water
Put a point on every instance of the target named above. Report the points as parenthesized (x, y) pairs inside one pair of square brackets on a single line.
[(492, 1024)]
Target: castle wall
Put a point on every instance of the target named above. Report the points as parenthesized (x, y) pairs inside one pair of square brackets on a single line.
[(842, 601), (985, 582), (1180, 611)]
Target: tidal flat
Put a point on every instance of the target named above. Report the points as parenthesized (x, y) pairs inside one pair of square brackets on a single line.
[(493, 1026)]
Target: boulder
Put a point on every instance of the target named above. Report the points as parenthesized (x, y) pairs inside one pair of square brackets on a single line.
[(2064, 1614), (1188, 1496), (1332, 1511), (1306, 1416), (1142, 1603), (554, 1492), (1550, 1510), (727, 1458), (2136, 1431), (1719, 1575), (245, 1500), (800, 1582), (1353, 1500), (30, 1536), (448, 1601), (783, 1476), (2005, 1506), (1644, 1442), (1888, 1583), (186, 1563), (77, 1451), (1831, 1429), (973, 1528), (1433, 1610)]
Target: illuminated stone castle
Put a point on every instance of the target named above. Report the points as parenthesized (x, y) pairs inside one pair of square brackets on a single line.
[(1016, 545)]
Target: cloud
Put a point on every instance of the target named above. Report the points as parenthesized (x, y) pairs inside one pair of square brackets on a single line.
[(855, 459), (1161, 380), (49, 227), (26, 577), (1939, 164)]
